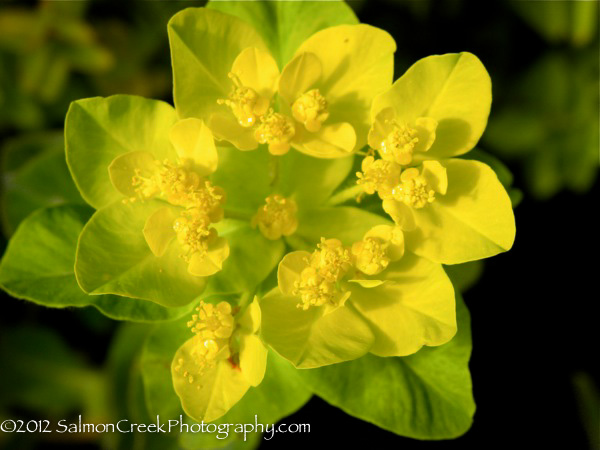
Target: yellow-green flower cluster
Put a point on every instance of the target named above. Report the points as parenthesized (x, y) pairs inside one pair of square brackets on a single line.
[(368, 284)]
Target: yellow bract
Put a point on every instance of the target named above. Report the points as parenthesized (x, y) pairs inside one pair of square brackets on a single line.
[(322, 102), (194, 202), (213, 370), (277, 217)]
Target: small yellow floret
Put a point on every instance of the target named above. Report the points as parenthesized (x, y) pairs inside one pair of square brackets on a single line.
[(311, 110), (370, 255), (277, 217), (318, 283), (194, 235), (245, 103), (212, 322), (413, 189), (277, 130), (378, 176), (399, 144)]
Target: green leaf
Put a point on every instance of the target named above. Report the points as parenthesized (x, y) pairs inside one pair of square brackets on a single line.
[(113, 257), (427, 395), (280, 394), (43, 374), (311, 181), (34, 175), (285, 25), (252, 258), (98, 129), (465, 276), (346, 223), (246, 179), (38, 266)]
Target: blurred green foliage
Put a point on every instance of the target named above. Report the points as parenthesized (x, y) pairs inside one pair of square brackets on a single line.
[(548, 120)]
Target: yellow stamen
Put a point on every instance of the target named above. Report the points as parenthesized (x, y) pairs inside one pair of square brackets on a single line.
[(370, 256), (319, 281), (245, 103), (399, 144), (413, 189), (277, 130), (277, 217), (194, 235), (212, 326), (311, 110), (378, 176)]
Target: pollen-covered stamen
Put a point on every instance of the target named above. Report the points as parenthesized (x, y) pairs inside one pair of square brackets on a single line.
[(277, 217), (245, 103), (370, 255), (318, 283), (311, 110), (194, 234), (176, 182), (212, 326), (277, 130), (146, 187), (207, 200), (399, 144), (212, 322), (378, 176), (413, 189)]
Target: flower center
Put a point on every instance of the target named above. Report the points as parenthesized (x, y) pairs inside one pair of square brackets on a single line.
[(212, 322), (180, 186), (311, 110), (194, 234), (319, 281), (370, 256), (211, 326), (399, 144), (245, 103), (413, 189), (277, 217), (378, 176), (277, 130)]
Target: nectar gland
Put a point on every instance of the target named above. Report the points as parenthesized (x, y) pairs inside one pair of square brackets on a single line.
[(277, 130), (310, 109), (245, 103), (370, 255), (277, 217), (378, 175), (399, 144)]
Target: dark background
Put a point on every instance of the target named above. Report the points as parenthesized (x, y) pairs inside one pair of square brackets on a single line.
[(534, 321)]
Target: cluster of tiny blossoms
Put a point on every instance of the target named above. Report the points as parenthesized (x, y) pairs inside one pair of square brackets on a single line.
[(181, 186), (389, 176), (212, 327)]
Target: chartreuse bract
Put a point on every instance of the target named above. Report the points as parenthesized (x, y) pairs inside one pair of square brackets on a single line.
[(452, 210), (342, 301), (213, 370), (317, 100)]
